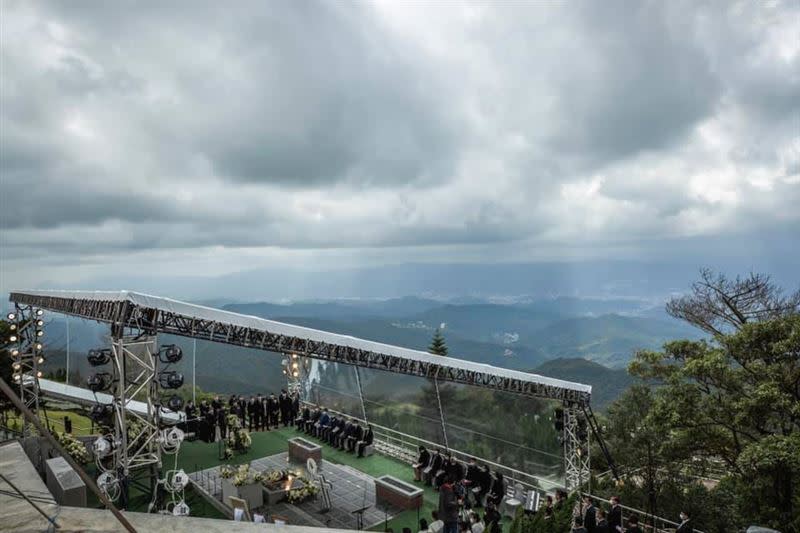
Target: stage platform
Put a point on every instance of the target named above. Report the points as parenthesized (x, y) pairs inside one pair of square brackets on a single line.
[(351, 490)]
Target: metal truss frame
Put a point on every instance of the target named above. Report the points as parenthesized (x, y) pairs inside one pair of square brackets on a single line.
[(576, 449), (26, 353), (128, 314)]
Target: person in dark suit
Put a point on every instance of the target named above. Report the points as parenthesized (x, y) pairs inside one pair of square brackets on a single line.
[(589, 514), (355, 435), (231, 401), (615, 516), (454, 469), (209, 423), (191, 424), (433, 467), (602, 522), (422, 461), (242, 411), (274, 410), (365, 441), (685, 526), (285, 405), (295, 405), (252, 413), (259, 412), (633, 525), (222, 422), (497, 491)]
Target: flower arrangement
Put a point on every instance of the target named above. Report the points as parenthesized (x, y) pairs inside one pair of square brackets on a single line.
[(74, 448), (306, 491), (275, 476), (241, 475), (238, 438)]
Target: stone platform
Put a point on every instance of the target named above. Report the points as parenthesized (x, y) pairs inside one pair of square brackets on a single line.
[(351, 490)]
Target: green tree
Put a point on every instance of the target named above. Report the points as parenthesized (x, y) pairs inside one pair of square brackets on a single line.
[(438, 345), (734, 400)]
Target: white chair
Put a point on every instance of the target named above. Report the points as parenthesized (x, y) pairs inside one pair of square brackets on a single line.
[(513, 499)]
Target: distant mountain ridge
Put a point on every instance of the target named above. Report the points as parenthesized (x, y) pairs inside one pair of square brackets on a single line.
[(607, 383)]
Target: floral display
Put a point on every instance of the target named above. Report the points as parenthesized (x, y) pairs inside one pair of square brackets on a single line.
[(74, 448), (238, 438), (241, 475), (306, 491)]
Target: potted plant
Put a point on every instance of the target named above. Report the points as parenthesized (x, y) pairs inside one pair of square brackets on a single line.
[(243, 483)]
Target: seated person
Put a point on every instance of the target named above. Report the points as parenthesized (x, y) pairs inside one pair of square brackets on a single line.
[(443, 469), (332, 429), (454, 469), (437, 526), (336, 439), (434, 466), (355, 435), (497, 491), (475, 523), (422, 461), (304, 415), (322, 424), (492, 519), (345, 434), (366, 440), (312, 422)]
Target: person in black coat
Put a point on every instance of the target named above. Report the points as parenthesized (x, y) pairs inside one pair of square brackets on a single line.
[(222, 422), (615, 516), (685, 526), (356, 435), (365, 441), (191, 422), (602, 522), (589, 514), (209, 423), (422, 461), (274, 409), (295, 397), (216, 403), (433, 468), (242, 411), (454, 469), (286, 407), (497, 491), (252, 412)]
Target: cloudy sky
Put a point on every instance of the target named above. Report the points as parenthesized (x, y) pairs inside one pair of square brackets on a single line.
[(204, 138)]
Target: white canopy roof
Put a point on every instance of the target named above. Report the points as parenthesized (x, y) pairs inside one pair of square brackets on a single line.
[(248, 321)]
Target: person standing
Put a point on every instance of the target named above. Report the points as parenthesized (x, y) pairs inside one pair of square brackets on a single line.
[(242, 411), (286, 407), (252, 413), (295, 405), (685, 526), (274, 409), (602, 522), (589, 514), (191, 423), (633, 525), (615, 516), (448, 506), (578, 527)]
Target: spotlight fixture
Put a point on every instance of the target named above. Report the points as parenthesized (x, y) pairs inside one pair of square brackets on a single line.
[(39, 332), (99, 382), (17, 377), (170, 380), (39, 312), (99, 357), (38, 345), (15, 352), (39, 374), (16, 366), (100, 412), (172, 353), (40, 322), (102, 446), (12, 338), (175, 403), (40, 360), (11, 316), (12, 327)]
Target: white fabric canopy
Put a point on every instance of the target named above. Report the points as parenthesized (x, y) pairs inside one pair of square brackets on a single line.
[(207, 313)]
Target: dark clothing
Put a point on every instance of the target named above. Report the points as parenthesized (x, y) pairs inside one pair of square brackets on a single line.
[(433, 468), (448, 504), (285, 404), (222, 422), (633, 529), (273, 409), (615, 519), (455, 471), (590, 518), (365, 441), (685, 527), (497, 492), (601, 527), (252, 414)]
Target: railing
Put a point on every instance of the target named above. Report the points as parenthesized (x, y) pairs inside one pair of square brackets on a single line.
[(404, 447), (662, 525)]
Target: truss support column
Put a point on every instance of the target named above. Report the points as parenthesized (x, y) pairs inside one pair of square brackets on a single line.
[(441, 413), (27, 355), (361, 394), (576, 448)]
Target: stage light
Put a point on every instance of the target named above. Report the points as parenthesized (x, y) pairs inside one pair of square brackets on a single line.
[(15, 352), (294, 356), (99, 357), (295, 366), (17, 377), (100, 412), (284, 372), (40, 360), (38, 345), (102, 446), (172, 353), (16, 366), (170, 380), (12, 327), (181, 509), (39, 332), (99, 382), (11, 316), (175, 403), (295, 373), (12, 338), (39, 312), (39, 374), (40, 322)]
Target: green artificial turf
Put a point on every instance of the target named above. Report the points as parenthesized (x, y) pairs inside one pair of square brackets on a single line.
[(200, 455)]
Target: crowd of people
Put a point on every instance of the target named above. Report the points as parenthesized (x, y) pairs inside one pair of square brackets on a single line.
[(592, 518), (340, 431), (208, 421)]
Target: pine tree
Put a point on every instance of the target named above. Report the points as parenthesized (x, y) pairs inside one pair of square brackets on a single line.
[(438, 346)]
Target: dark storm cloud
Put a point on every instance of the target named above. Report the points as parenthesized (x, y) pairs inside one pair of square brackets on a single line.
[(317, 125)]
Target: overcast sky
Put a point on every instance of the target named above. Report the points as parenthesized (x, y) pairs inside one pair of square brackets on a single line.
[(211, 137)]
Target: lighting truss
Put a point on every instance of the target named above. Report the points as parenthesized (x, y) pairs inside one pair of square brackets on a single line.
[(27, 355), (576, 448)]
